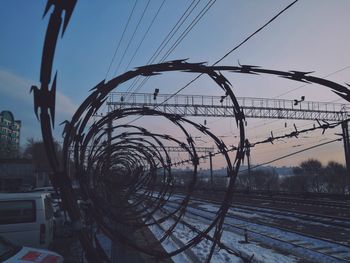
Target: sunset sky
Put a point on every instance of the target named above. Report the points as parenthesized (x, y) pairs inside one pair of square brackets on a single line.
[(313, 35)]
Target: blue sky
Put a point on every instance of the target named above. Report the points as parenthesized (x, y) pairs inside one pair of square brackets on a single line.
[(311, 36)]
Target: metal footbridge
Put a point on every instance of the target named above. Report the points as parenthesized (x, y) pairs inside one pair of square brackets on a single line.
[(216, 106)]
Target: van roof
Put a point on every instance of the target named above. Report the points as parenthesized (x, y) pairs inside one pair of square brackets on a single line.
[(46, 188), (18, 196)]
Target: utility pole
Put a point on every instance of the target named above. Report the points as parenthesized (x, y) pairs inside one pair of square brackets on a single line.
[(345, 129), (247, 146), (109, 134), (211, 169), (109, 144), (115, 249), (249, 177)]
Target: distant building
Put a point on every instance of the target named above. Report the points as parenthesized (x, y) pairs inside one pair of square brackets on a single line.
[(9, 135)]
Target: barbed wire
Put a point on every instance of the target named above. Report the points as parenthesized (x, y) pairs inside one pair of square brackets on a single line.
[(119, 172), (324, 125)]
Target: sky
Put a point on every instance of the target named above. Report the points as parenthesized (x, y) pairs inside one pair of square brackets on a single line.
[(312, 35)]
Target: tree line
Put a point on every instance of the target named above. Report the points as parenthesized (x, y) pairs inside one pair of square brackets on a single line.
[(309, 177)]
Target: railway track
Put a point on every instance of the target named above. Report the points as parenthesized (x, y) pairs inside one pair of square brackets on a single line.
[(342, 222), (323, 204), (189, 254), (322, 226), (302, 245), (314, 217), (335, 209), (246, 258), (174, 243)]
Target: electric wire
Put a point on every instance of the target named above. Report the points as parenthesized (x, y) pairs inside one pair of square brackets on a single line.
[(293, 153), (181, 37), (328, 75), (293, 134), (145, 34), (174, 30), (165, 42), (188, 29), (132, 37), (237, 46), (230, 52), (121, 39)]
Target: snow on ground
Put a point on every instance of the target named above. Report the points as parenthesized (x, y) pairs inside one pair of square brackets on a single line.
[(201, 250), (264, 236), (169, 245), (235, 211), (231, 240), (265, 213), (297, 244)]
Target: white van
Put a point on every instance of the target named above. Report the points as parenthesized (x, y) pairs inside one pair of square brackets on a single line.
[(26, 219)]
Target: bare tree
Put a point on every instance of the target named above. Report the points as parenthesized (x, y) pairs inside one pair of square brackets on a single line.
[(36, 151), (335, 176), (311, 176), (260, 179), (314, 171)]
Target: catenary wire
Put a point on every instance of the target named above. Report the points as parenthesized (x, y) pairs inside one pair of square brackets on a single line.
[(132, 37), (293, 153), (121, 39), (228, 53), (145, 34)]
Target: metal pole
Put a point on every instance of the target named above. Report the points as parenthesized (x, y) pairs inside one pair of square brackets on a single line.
[(211, 169), (114, 247), (247, 146), (249, 178), (345, 129)]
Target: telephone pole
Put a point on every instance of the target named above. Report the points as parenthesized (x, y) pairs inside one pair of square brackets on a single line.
[(345, 130)]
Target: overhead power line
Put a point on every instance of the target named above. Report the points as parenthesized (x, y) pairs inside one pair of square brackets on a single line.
[(193, 23), (132, 37), (168, 37), (271, 139), (145, 34), (121, 38), (165, 42), (188, 29), (235, 48), (293, 153), (227, 54), (256, 32), (330, 74), (174, 30)]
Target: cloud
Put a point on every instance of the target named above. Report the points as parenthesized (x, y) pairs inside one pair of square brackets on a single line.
[(64, 105), (13, 86), (18, 88)]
